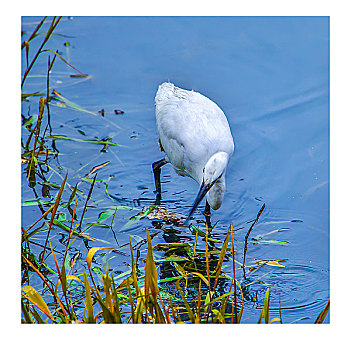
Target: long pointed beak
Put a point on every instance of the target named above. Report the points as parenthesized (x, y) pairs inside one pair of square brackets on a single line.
[(201, 194)]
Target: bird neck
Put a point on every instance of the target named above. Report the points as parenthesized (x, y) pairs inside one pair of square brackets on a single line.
[(216, 194)]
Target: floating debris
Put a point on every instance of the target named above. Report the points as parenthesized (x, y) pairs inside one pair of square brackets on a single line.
[(79, 75), (161, 213), (134, 135)]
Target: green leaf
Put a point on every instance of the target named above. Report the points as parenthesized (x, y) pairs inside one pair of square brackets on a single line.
[(136, 218), (32, 295), (79, 234), (51, 184), (105, 214), (100, 142), (195, 230), (261, 241), (36, 202), (71, 104), (209, 297), (99, 225), (173, 258), (30, 120), (86, 179), (61, 217), (270, 263), (218, 315), (266, 305)]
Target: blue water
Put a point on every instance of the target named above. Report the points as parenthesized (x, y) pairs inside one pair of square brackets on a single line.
[(270, 75)]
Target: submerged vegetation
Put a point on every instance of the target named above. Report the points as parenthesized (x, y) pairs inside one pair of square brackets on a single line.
[(196, 287)]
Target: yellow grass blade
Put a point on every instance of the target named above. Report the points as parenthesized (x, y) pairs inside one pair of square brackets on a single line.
[(32, 295), (68, 277), (151, 282), (91, 253)]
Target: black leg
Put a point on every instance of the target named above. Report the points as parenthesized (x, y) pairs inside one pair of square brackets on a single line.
[(156, 167), (207, 211), (207, 214)]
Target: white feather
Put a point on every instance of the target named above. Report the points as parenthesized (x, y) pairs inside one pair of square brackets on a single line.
[(193, 129)]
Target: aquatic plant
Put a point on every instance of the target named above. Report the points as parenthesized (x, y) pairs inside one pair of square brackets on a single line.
[(94, 294)]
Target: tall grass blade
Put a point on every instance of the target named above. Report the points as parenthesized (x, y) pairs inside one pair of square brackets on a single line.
[(37, 316), (151, 282), (47, 284), (134, 274), (131, 300), (165, 312), (240, 313), (242, 303), (53, 25), (235, 307), (248, 233), (26, 313), (186, 304), (261, 317), (218, 316), (266, 305), (56, 205), (62, 277), (33, 159), (280, 311), (198, 313), (50, 65), (43, 216), (68, 277), (91, 254), (99, 142), (207, 259), (222, 256), (117, 313), (86, 203), (60, 57), (106, 304), (323, 314), (33, 35), (88, 300)]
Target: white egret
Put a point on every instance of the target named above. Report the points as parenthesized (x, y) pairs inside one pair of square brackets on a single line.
[(195, 135)]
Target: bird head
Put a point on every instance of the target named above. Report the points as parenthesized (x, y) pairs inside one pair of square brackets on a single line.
[(215, 168), (213, 172)]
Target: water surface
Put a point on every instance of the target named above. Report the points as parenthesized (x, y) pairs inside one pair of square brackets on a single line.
[(270, 75)]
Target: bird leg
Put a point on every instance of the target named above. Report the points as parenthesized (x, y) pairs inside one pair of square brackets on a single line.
[(207, 213), (156, 167)]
